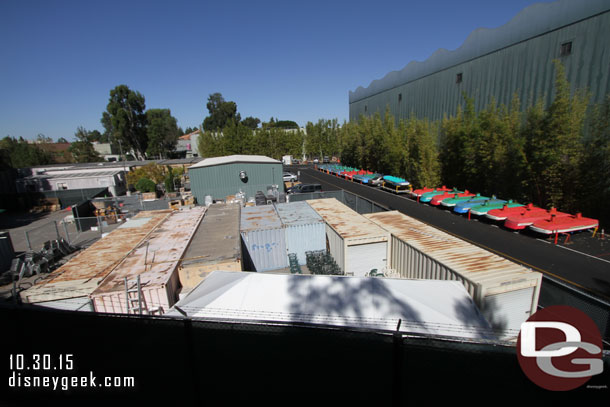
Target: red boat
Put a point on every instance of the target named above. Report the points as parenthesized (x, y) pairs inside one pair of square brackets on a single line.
[(527, 217), (506, 211), (439, 198), (569, 223), (416, 193)]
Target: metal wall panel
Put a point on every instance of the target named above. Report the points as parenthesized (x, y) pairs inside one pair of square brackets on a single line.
[(266, 248), (523, 67), (303, 238), (336, 246), (223, 180), (507, 311), (363, 258)]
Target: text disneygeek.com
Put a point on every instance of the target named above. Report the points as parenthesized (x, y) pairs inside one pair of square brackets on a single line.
[(28, 372)]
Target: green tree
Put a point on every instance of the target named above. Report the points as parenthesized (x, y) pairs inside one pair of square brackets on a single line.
[(125, 120), (251, 122), (21, 154), (162, 132), (145, 185), (82, 149), (221, 113)]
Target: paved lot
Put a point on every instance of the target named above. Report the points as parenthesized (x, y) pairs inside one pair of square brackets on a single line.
[(583, 262)]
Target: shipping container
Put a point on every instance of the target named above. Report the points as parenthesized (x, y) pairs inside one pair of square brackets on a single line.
[(305, 230), (81, 275), (357, 244), (155, 262), (505, 292), (264, 239), (215, 246)]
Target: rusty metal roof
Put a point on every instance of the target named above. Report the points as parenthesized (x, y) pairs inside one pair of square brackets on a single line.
[(348, 223), (94, 263), (472, 262), (157, 256), (259, 217)]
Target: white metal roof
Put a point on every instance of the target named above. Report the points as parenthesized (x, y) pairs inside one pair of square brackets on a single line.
[(208, 162), (425, 307)]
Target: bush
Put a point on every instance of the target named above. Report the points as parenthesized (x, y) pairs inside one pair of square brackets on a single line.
[(145, 185)]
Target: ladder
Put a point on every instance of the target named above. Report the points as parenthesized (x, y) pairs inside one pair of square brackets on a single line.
[(136, 303), (131, 299)]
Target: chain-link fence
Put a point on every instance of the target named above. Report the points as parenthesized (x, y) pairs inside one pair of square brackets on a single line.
[(356, 202)]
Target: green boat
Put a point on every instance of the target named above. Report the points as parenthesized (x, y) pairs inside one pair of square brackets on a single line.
[(489, 205), (450, 202), (427, 197)]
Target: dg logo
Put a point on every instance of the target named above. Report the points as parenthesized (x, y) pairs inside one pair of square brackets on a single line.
[(560, 348)]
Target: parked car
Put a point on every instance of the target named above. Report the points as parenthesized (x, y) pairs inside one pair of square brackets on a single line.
[(290, 177), (326, 160), (315, 161), (376, 181), (303, 188)]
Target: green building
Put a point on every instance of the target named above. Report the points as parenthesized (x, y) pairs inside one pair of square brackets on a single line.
[(497, 63), (220, 177)]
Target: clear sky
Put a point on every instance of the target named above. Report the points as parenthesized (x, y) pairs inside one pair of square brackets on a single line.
[(283, 59)]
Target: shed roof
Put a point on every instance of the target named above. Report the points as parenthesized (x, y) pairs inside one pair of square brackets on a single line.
[(297, 213), (156, 257), (80, 276), (261, 159), (424, 307), (259, 217), (217, 237), (472, 262), (348, 223)]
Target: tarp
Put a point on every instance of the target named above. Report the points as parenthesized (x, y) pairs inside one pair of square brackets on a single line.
[(423, 306)]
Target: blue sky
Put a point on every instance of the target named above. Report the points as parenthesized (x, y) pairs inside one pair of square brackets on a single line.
[(290, 60)]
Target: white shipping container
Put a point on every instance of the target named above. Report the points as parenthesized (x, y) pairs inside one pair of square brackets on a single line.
[(357, 244), (505, 292)]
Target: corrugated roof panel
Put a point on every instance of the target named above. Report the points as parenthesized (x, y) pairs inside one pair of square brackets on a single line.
[(259, 217), (155, 258), (80, 275), (234, 159), (472, 262), (297, 213), (348, 223)]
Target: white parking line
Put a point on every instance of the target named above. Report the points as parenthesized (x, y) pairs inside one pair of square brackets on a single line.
[(584, 254)]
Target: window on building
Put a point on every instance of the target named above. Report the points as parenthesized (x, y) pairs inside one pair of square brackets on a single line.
[(566, 49), (458, 78), (399, 97)]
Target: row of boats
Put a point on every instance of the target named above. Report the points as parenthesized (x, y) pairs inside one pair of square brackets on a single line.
[(388, 182), (513, 215)]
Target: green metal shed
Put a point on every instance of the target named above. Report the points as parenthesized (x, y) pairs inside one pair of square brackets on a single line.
[(220, 177)]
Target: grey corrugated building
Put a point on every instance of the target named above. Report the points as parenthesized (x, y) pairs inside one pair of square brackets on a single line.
[(496, 63), (220, 177)]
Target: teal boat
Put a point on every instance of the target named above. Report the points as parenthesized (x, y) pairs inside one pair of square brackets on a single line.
[(489, 205), (451, 202), (427, 197)]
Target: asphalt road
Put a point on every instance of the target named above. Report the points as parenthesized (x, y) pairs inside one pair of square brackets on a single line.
[(580, 262)]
